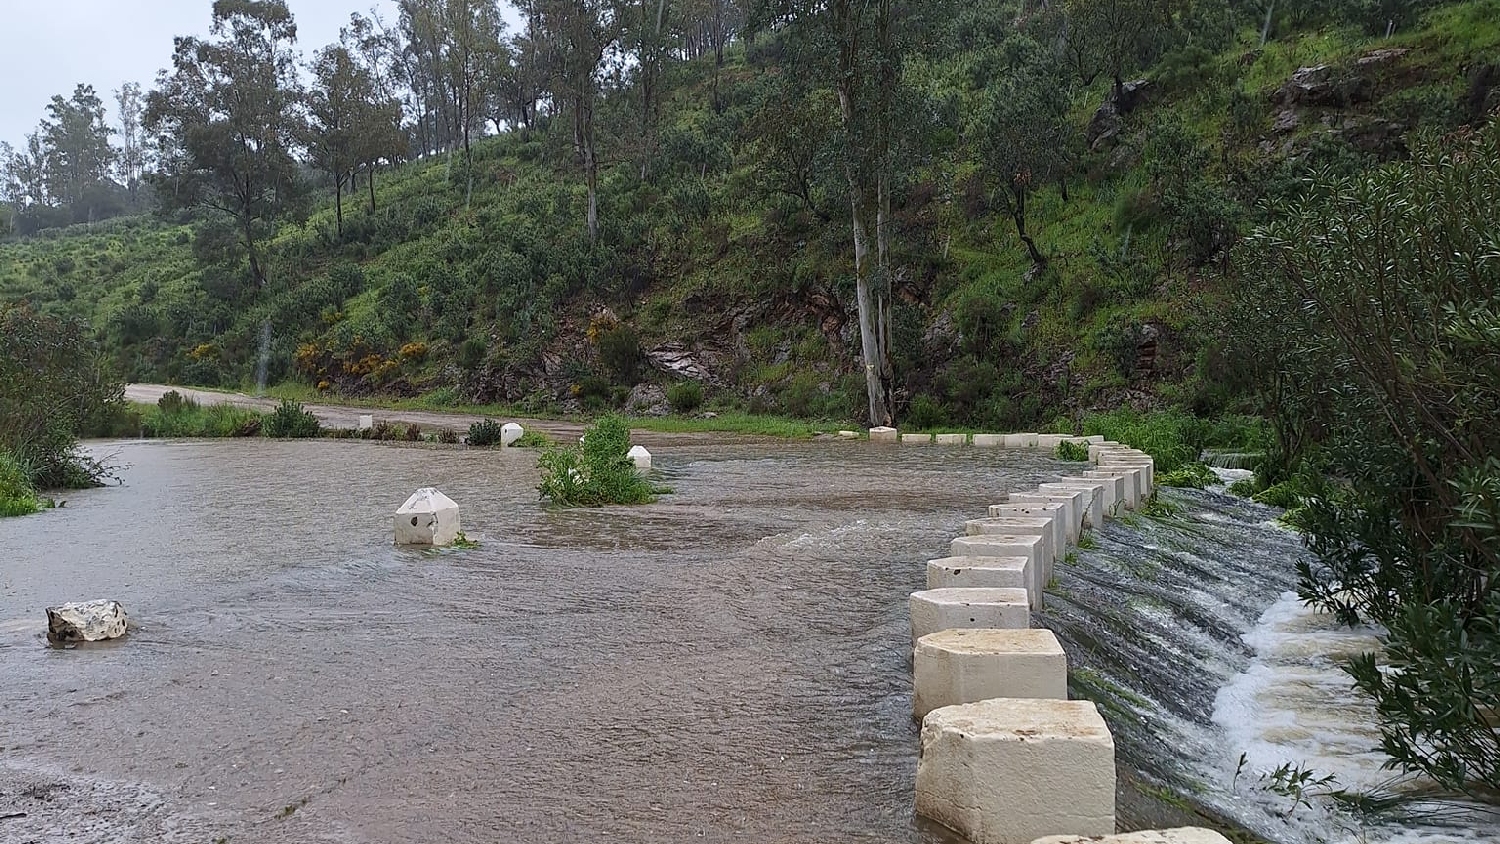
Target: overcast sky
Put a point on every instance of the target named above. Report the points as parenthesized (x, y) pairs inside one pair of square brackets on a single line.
[(49, 46)]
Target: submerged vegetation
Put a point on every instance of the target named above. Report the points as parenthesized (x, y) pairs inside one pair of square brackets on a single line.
[(596, 472)]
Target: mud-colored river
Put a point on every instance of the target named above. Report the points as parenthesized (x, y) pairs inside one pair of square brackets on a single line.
[(729, 664)]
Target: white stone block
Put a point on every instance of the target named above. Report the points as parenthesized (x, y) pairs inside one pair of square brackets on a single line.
[(1050, 553), (640, 457), (1020, 440), (1096, 438), (936, 610), (510, 432), (1145, 464), (1130, 484), (884, 435), (965, 666), (848, 435), (1049, 441), (916, 439), (952, 439), (86, 621), (1058, 513), (1181, 835), (982, 573), (1093, 500), (366, 422), (1096, 449), (1113, 487), (427, 518), (989, 440), (1009, 771), (1035, 548), (1072, 502)]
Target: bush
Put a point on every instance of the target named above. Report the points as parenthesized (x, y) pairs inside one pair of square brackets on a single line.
[(291, 421), (685, 396), (17, 498), (1190, 476), (485, 433), (597, 473), (172, 403), (532, 439), (189, 419), (1076, 452)]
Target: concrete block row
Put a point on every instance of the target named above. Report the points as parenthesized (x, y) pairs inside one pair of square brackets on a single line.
[(1006, 758), (1046, 441)]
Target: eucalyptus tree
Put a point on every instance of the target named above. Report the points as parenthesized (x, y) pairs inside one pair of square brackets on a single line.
[(226, 119), (343, 93), (76, 149), (130, 162)]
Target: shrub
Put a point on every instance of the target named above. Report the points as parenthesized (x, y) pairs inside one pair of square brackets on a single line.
[(925, 413), (172, 403), (1076, 452), (291, 421), (485, 433), (597, 473), (685, 396), (1189, 476), (448, 437), (17, 498), (532, 439), (620, 350)]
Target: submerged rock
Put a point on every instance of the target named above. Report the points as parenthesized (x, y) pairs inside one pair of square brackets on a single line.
[(86, 621)]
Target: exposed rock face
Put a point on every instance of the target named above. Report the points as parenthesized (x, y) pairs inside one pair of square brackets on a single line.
[(88, 621), (647, 400), (1108, 121), (674, 358), (1322, 85)]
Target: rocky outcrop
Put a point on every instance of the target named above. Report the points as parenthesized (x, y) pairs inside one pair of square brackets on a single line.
[(87, 621), (675, 359), (1109, 120), (647, 400)]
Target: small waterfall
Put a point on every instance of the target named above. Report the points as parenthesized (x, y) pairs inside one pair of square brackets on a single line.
[(264, 361), (1184, 629)]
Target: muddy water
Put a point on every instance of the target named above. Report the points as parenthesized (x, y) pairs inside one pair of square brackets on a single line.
[(729, 664)]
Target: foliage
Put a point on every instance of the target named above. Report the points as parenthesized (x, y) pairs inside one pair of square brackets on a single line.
[(485, 433), (1379, 316), (53, 385), (290, 421), (1075, 452), (17, 498), (598, 472), (181, 418), (532, 439), (685, 397), (1244, 488), (1189, 476)]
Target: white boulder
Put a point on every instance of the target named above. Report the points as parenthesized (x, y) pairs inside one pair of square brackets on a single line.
[(1009, 771), (640, 457), (86, 621), (427, 518), (509, 433)]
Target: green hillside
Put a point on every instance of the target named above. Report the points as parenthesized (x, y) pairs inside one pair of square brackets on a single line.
[(477, 283)]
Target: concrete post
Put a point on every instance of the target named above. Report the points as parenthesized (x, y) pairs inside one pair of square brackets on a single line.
[(936, 610), (965, 666)]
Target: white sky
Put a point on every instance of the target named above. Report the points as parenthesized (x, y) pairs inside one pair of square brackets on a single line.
[(49, 46)]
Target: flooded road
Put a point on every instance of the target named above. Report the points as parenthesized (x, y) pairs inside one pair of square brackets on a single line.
[(729, 664)]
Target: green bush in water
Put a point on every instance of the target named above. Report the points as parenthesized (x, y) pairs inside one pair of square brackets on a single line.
[(17, 498), (1190, 476), (598, 472), (291, 421), (485, 433), (1074, 452)]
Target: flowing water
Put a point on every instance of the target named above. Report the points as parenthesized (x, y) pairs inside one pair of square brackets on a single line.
[(729, 664)]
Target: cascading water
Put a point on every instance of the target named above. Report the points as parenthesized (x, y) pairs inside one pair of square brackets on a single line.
[(1186, 631)]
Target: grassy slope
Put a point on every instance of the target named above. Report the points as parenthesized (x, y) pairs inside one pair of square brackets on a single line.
[(488, 284)]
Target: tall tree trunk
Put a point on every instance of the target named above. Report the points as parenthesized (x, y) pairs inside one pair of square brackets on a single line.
[(338, 205), (590, 166), (372, 187), (865, 297), (1018, 214)]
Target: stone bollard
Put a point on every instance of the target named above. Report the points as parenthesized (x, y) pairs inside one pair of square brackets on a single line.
[(1058, 513), (980, 573), (936, 610), (1131, 487), (1023, 526), (1112, 487), (885, 435), (640, 457), (966, 666), (1181, 835), (1033, 547), (510, 432), (1073, 504), (366, 422), (1092, 506), (86, 621), (1144, 463), (427, 518), (1009, 771)]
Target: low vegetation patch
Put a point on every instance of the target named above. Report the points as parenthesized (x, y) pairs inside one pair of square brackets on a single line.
[(17, 498), (485, 433), (291, 421), (174, 416), (1074, 452), (1189, 476), (596, 473)]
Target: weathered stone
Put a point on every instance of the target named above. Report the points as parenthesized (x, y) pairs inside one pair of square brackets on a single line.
[(1323, 86), (884, 435), (935, 610), (1009, 771), (86, 621), (675, 359), (1385, 55), (1050, 441), (1074, 501), (981, 573), (1287, 120), (648, 400), (1144, 463), (640, 457), (965, 666), (1108, 120), (1130, 482), (1114, 491), (848, 435), (1044, 527), (1093, 500), (1182, 835), (366, 422), (1058, 513), (989, 440), (916, 439), (427, 518), (1035, 548), (510, 433), (952, 439)]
